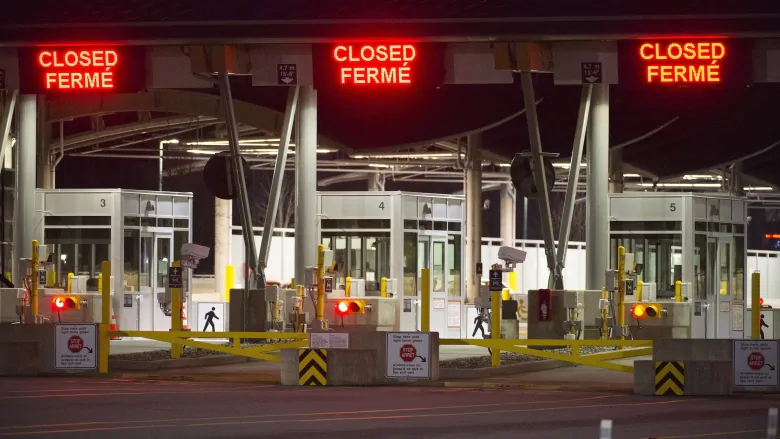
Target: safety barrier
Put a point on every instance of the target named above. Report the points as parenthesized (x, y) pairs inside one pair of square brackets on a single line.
[(186, 338), (623, 349)]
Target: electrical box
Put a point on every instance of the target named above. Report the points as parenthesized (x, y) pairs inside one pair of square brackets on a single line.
[(629, 263), (271, 293), (309, 277), (570, 299), (610, 280)]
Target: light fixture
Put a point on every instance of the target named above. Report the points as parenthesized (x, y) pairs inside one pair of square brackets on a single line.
[(63, 257), (411, 155), (256, 151), (757, 188), (567, 165)]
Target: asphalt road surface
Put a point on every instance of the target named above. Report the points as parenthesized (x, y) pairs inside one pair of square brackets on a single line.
[(87, 408)]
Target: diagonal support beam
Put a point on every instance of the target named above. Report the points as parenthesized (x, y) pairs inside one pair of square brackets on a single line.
[(537, 167), (239, 180), (5, 125), (574, 177), (278, 179)]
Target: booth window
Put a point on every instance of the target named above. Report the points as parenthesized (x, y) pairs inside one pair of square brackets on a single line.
[(438, 267), (131, 259), (78, 250), (410, 264), (700, 265), (453, 264), (739, 268), (661, 256)]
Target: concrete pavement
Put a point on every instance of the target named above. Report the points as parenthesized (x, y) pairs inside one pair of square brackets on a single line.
[(92, 408)]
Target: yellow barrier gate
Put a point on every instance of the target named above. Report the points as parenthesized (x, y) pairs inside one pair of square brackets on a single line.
[(623, 349)]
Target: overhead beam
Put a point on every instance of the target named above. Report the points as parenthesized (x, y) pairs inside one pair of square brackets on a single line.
[(175, 101)]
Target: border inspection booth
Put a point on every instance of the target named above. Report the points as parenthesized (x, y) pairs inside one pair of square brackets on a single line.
[(394, 235), (139, 232)]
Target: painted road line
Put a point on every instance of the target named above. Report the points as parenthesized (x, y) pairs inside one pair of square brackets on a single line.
[(716, 434), (287, 415), (308, 419)]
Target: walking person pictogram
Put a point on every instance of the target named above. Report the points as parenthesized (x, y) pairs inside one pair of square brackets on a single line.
[(763, 325), (210, 316), (481, 318)]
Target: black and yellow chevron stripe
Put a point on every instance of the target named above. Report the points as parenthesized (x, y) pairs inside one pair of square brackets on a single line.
[(313, 367), (669, 378)]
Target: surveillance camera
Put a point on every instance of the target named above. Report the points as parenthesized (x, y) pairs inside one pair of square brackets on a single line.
[(194, 251), (511, 255)]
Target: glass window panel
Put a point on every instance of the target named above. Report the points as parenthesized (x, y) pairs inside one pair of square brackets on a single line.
[(658, 258), (423, 251), (83, 259), (77, 220), (438, 267), (725, 268), (132, 242), (356, 258), (163, 261), (453, 264), (410, 264), (180, 237), (700, 265), (147, 255), (738, 282)]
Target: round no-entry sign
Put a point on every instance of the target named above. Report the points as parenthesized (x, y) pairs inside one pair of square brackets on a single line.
[(75, 344), (408, 352), (756, 360)]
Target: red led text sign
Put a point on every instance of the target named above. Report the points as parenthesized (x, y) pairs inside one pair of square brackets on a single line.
[(87, 69), (363, 64), (672, 62)]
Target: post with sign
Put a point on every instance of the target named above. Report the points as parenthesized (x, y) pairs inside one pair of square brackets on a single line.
[(75, 346), (175, 284), (495, 286), (408, 355), (105, 342)]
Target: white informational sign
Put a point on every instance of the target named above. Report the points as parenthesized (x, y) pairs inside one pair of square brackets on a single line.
[(408, 355), (738, 318), (75, 346), (453, 313), (211, 317), (438, 303), (328, 340), (755, 363)]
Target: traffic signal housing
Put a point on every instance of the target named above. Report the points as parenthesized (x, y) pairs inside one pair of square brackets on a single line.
[(350, 306), (64, 303), (650, 311)]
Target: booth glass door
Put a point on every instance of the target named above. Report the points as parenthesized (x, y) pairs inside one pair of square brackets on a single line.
[(432, 255), (163, 254), (720, 268)]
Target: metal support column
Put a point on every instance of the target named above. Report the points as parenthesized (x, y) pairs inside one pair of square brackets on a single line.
[(24, 218), (5, 126), (306, 183), (239, 179), (276, 183), (44, 161), (508, 215), (223, 233), (473, 193), (574, 178), (538, 171), (597, 222)]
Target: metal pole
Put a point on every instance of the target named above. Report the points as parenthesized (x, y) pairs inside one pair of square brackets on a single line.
[(755, 306), (597, 250), (105, 318), (160, 168), (525, 218), (24, 217), (239, 179), (571, 187), (538, 170), (276, 183), (473, 195), (306, 183)]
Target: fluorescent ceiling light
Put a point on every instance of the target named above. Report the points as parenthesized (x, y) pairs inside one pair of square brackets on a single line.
[(632, 175), (421, 155), (757, 188), (567, 165), (697, 185), (258, 151), (378, 165), (702, 177)]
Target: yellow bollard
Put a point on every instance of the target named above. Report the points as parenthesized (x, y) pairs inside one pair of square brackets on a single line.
[(230, 280), (425, 300), (176, 349), (70, 282), (105, 322), (292, 283), (34, 295), (505, 294), (755, 306), (383, 287), (512, 281), (621, 308), (348, 286), (639, 290), (495, 326), (678, 291), (100, 281)]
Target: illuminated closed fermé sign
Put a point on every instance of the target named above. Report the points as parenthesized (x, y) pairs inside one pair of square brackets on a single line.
[(78, 69), (83, 69), (674, 62), (362, 64), (685, 62)]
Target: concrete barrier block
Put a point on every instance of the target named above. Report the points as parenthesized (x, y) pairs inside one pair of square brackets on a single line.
[(708, 378), (288, 367), (352, 367), (644, 377), (692, 350)]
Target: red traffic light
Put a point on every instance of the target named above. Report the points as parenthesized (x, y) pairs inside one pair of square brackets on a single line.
[(342, 307), (350, 307), (63, 302), (760, 301)]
